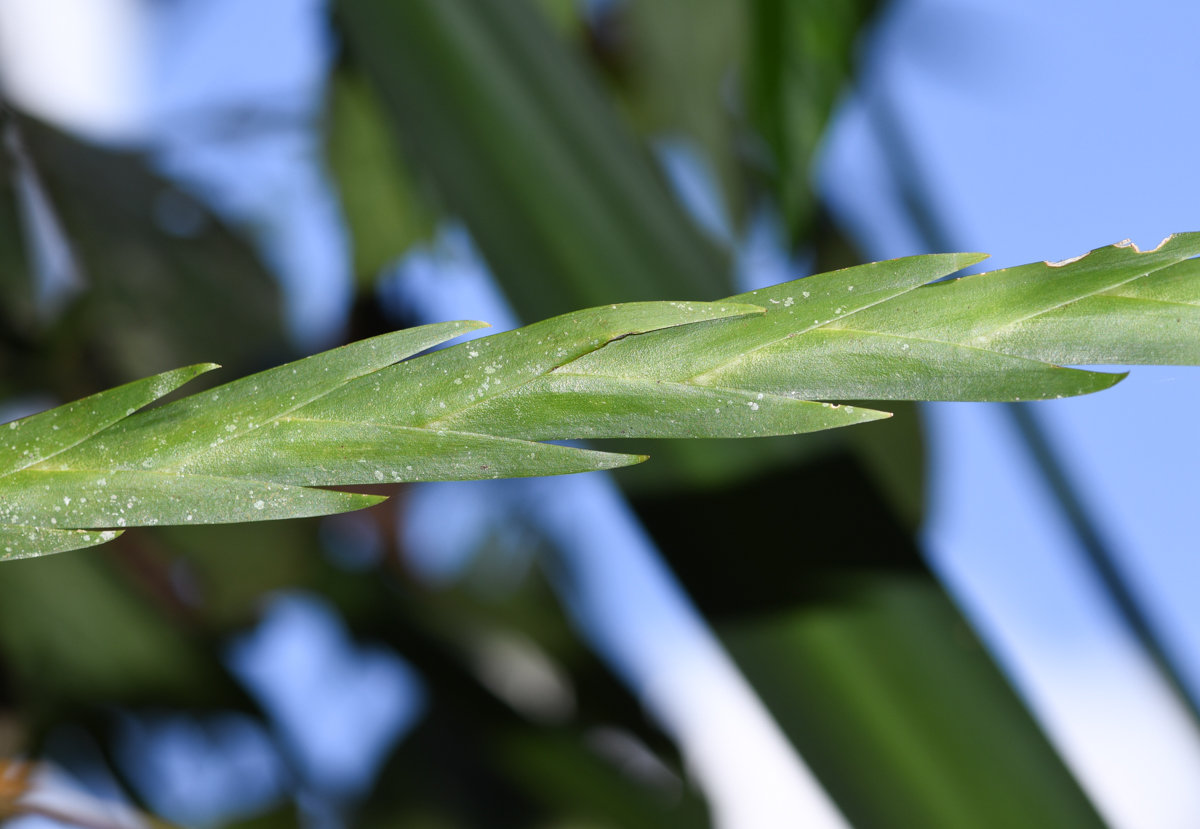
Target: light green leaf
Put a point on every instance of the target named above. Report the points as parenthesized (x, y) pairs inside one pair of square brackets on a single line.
[(1147, 320), (39, 437), (578, 406), (167, 437), (983, 337), (430, 391), (793, 308), (769, 362), (327, 453), (27, 542), (120, 498)]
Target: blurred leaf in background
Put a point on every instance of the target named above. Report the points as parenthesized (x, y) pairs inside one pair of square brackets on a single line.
[(518, 140), (683, 64), (161, 270), (799, 63), (860, 655), (383, 207), (16, 283), (158, 274), (74, 633)]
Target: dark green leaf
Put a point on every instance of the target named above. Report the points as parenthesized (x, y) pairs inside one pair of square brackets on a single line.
[(900, 713), (799, 62), (520, 143), (383, 209), (156, 296)]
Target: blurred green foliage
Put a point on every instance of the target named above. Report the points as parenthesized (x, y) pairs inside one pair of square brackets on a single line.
[(384, 211), (798, 66)]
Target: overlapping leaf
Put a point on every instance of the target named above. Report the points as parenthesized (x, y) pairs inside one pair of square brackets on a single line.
[(250, 450), (765, 363), (877, 332)]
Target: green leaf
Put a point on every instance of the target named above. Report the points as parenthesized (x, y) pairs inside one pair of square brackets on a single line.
[(330, 453), (1147, 320), (40, 437), (579, 406), (397, 424), (790, 309), (362, 414), (27, 542), (169, 437), (982, 337), (351, 415), (119, 498), (430, 392)]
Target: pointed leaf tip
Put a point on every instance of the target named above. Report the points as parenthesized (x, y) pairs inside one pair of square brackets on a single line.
[(969, 259)]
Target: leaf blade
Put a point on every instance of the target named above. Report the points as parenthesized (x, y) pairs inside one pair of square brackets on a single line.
[(330, 453), (464, 375), (40, 437), (28, 542), (989, 337), (166, 437), (566, 405), (122, 498)]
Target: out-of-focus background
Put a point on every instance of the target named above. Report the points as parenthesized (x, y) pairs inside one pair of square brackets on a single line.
[(970, 615)]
